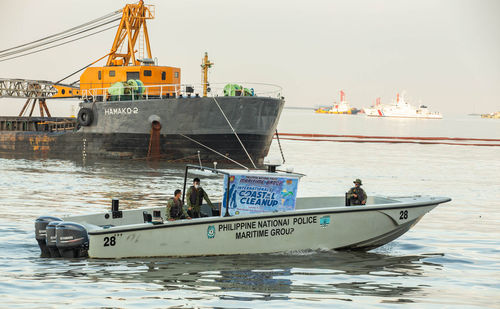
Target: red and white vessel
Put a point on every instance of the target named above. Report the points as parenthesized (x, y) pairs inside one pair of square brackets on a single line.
[(342, 107), (401, 109)]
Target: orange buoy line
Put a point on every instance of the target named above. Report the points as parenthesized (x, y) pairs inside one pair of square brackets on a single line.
[(386, 139), (393, 137), (383, 141)]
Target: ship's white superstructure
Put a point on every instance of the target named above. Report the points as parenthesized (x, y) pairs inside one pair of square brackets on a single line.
[(401, 109)]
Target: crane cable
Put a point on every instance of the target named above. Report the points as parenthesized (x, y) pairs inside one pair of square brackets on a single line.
[(81, 70), (64, 43), (66, 31), (42, 42), (55, 40)]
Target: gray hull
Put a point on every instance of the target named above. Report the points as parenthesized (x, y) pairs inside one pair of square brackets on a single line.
[(317, 223), (188, 125)]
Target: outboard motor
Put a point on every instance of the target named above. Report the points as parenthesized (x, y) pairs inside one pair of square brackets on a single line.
[(41, 233), (51, 238), (72, 240)]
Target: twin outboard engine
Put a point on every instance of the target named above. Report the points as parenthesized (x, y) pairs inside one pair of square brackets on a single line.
[(41, 233), (57, 238), (72, 240), (51, 238)]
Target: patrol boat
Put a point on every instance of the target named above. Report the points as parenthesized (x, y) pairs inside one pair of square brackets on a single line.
[(259, 213)]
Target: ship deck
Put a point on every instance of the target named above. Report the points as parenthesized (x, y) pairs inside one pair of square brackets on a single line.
[(37, 124)]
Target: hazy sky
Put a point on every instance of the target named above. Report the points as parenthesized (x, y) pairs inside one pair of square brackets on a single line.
[(445, 54)]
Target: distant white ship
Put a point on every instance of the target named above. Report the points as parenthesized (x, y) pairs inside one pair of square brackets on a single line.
[(401, 109)]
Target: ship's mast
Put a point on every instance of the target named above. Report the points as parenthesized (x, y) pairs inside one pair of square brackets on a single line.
[(133, 20), (205, 65)]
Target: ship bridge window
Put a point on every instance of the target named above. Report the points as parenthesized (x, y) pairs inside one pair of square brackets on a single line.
[(163, 75), (147, 72), (112, 73), (176, 74), (132, 75), (99, 75)]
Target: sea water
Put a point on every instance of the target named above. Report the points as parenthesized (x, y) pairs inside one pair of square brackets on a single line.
[(451, 258)]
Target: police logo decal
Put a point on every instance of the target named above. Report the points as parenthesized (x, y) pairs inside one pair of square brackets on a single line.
[(211, 231), (324, 221)]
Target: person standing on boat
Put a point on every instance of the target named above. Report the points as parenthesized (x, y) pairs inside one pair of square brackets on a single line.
[(175, 209), (195, 196), (356, 195)]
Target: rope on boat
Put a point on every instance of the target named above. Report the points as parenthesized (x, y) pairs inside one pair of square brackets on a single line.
[(220, 154), (279, 144), (223, 114)]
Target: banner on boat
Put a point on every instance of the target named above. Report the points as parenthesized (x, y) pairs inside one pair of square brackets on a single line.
[(257, 194)]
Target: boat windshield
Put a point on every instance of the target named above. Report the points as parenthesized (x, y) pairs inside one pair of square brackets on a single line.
[(254, 191)]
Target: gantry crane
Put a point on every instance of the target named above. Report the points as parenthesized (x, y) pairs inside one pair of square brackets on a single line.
[(124, 61)]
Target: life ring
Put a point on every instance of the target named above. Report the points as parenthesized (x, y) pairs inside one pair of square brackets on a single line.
[(85, 116)]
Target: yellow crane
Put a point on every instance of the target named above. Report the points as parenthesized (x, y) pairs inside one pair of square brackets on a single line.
[(124, 61)]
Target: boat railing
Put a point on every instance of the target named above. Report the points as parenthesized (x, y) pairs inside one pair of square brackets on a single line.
[(165, 91)]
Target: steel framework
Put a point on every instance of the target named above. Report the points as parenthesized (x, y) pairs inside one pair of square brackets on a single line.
[(133, 20), (24, 88)]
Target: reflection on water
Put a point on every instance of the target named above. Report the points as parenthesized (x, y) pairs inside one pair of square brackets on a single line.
[(311, 272), (450, 258)]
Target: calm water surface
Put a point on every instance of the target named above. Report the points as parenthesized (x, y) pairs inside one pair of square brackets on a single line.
[(450, 259)]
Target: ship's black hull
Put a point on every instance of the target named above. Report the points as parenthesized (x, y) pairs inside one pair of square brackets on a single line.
[(173, 129), (177, 148)]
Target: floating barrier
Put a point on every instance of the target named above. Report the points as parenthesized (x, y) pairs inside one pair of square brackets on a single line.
[(459, 141)]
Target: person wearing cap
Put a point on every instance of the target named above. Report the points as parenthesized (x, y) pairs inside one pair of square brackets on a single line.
[(175, 209), (195, 196), (356, 195)]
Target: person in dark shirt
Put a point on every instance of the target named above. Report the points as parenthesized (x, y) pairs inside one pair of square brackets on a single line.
[(194, 197), (356, 195), (175, 209)]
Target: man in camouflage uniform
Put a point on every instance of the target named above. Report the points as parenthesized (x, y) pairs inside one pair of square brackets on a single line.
[(194, 197), (356, 195), (175, 209)]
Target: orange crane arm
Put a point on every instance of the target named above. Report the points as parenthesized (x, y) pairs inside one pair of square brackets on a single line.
[(133, 19)]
